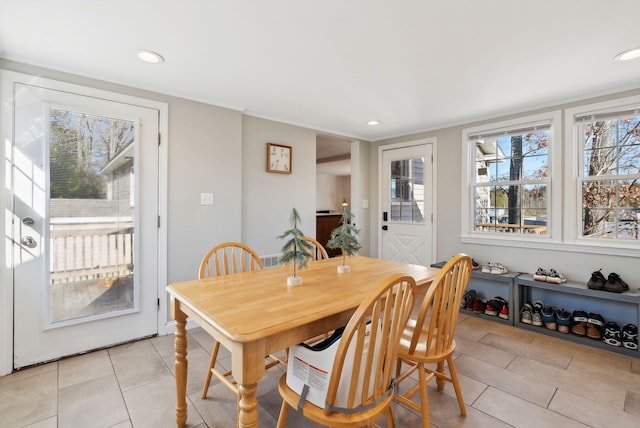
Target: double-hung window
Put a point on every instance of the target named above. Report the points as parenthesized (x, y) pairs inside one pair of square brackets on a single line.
[(507, 183), (606, 142)]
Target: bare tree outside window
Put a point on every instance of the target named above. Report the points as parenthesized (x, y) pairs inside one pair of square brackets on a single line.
[(610, 174), (81, 145), (512, 180)]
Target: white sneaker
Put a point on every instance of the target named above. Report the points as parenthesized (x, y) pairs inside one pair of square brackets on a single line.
[(486, 268), (540, 275), (498, 269), (556, 277)]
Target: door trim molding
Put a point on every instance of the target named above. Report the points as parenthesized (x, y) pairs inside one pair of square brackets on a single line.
[(433, 141), (7, 80)]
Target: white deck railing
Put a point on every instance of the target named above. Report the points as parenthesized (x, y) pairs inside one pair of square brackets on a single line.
[(86, 250)]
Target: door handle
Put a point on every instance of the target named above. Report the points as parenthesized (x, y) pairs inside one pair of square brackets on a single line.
[(385, 227), (29, 242)]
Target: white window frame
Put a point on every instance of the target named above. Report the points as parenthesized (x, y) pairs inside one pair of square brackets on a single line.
[(573, 181), (468, 233)]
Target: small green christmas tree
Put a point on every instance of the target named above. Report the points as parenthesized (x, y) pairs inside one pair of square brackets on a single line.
[(345, 236), (296, 249)]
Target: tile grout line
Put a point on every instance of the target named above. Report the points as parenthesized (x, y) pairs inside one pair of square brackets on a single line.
[(115, 374)]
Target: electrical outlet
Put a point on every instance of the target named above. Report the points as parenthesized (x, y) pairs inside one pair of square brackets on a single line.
[(206, 198)]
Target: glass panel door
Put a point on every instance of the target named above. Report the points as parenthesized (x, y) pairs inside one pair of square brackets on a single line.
[(84, 180)]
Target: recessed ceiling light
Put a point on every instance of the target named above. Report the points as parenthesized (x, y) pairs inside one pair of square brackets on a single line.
[(628, 55), (373, 122), (150, 57)]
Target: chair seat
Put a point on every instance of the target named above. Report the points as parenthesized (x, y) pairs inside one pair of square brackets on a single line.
[(318, 414), (420, 354)]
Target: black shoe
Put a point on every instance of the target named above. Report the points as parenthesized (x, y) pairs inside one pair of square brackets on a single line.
[(494, 306), (596, 282), (611, 334), (615, 284), (630, 337)]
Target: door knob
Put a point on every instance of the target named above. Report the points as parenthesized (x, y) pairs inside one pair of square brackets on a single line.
[(385, 227), (29, 242)]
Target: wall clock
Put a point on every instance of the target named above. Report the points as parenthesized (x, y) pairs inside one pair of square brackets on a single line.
[(279, 158)]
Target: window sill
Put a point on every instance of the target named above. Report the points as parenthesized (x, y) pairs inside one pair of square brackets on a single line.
[(625, 249)]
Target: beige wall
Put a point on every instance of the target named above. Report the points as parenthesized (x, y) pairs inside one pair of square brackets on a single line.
[(205, 156), (267, 198), (576, 265), (220, 151), (326, 192), (330, 190), (212, 149), (362, 191)]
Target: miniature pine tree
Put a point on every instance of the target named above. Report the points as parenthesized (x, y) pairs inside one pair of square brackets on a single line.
[(345, 236), (296, 249)]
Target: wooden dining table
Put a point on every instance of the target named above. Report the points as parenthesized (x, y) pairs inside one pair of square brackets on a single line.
[(254, 314)]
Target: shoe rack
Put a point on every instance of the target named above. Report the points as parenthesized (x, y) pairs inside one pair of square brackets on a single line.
[(487, 287), (622, 308)]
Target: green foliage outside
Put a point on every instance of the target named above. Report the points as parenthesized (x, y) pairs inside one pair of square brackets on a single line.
[(345, 236), (80, 145), (296, 249)]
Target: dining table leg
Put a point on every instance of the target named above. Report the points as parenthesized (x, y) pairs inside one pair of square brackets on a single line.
[(180, 366), (247, 360), (248, 415)]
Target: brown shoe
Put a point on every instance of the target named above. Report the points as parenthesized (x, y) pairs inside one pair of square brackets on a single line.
[(470, 303), (479, 306), (579, 329)]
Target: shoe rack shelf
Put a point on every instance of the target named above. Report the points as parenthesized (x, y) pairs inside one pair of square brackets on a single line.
[(487, 287), (622, 308)]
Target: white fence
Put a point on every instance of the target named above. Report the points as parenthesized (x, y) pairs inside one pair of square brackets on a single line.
[(86, 249)]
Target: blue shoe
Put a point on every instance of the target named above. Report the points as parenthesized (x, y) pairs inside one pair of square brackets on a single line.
[(549, 317), (563, 320)]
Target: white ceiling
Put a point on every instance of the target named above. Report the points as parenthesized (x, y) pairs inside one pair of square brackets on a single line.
[(332, 65)]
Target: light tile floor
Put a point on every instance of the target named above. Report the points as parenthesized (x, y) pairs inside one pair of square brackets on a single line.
[(509, 377)]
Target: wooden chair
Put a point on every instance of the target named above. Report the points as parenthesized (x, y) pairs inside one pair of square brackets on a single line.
[(318, 253), (429, 338), (359, 396), (224, 259)]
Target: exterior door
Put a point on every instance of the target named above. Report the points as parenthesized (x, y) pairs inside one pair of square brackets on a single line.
[(84, 175), (406, 232)]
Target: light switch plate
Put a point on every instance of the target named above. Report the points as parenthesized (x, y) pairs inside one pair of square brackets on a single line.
[(365, 203), (206, 198)]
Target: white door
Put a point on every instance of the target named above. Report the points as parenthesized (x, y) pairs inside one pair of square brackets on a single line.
[(84, 174), (406, 227)]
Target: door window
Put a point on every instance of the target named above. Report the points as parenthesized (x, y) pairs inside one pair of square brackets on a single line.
[(91, 214), (407, 190)]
